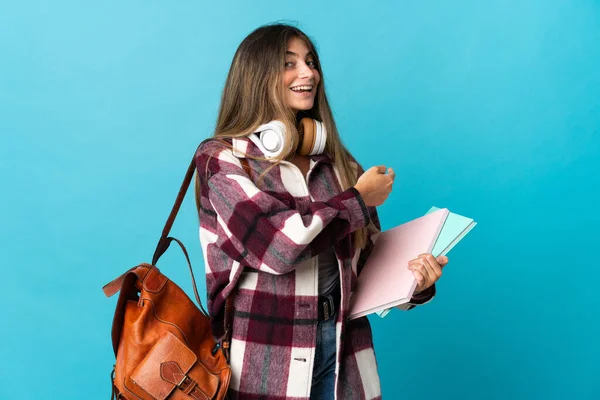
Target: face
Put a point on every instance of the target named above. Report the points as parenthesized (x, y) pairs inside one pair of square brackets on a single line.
[(300, 76)]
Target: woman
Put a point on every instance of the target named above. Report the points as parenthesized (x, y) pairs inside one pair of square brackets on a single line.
[(285, 234)]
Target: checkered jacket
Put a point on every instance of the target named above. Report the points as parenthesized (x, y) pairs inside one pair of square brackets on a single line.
[(262, 238)]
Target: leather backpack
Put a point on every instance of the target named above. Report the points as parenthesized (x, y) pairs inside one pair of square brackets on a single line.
[(163, 343)]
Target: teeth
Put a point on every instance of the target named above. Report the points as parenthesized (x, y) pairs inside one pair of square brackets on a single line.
[(301, 88)]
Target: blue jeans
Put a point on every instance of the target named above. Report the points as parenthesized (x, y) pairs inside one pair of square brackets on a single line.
[(324, 370)]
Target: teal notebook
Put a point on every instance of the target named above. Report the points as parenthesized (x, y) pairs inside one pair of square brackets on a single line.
[(455, 228)]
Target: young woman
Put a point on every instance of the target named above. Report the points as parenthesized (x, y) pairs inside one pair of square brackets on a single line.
[(287, 220)]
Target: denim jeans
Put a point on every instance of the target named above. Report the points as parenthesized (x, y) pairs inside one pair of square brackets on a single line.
[(324, 370)]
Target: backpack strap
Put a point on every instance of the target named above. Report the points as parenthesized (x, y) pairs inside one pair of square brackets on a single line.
[(165, 241)]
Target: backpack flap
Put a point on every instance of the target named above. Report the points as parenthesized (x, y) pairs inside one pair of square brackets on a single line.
[(171, 365)]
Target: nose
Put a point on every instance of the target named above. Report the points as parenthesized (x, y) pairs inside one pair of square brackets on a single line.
[(306, 71)]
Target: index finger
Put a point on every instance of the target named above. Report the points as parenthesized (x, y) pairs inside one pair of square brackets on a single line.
[(380, 168)]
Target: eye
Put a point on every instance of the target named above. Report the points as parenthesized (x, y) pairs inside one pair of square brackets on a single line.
[(312, 64), (289, 64)]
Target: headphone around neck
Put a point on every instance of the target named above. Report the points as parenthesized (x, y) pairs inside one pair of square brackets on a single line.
[(313, 137)]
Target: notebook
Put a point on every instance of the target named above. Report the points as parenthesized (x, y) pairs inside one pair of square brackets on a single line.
[(385, 280), (455, 228)]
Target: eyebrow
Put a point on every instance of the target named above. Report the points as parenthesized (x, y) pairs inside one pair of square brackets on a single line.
[(291, 53)]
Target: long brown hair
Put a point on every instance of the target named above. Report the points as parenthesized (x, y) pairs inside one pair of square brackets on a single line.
[(254, 95)]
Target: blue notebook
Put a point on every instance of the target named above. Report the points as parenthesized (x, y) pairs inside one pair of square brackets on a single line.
[(455, 228)]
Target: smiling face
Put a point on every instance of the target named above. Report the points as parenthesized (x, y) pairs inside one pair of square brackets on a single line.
[(300, 76)]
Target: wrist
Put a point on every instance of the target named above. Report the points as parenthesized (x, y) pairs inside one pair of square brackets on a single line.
[(358, 188), (424, 295), (362, 194)]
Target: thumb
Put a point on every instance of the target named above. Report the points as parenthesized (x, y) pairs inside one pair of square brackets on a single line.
[(381, 169), (442, 260)]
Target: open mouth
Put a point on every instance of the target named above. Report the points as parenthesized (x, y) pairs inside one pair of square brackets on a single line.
[(302, 89)]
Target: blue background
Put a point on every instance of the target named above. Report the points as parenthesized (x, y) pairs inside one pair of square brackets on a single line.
[(489, 108)]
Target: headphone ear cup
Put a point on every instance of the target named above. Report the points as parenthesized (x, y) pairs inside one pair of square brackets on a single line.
[(321, 138), (308, 129), (272, 137)]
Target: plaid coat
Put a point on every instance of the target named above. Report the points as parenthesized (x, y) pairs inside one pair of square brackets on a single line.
[(262, 238)]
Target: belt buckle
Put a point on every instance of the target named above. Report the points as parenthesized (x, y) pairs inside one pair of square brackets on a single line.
[(328, 307)]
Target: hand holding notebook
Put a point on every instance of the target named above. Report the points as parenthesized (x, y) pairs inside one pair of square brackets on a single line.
[(426, 269), (385, 280)]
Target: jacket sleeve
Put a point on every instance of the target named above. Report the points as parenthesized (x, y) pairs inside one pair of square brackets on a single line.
[(263, 232)]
